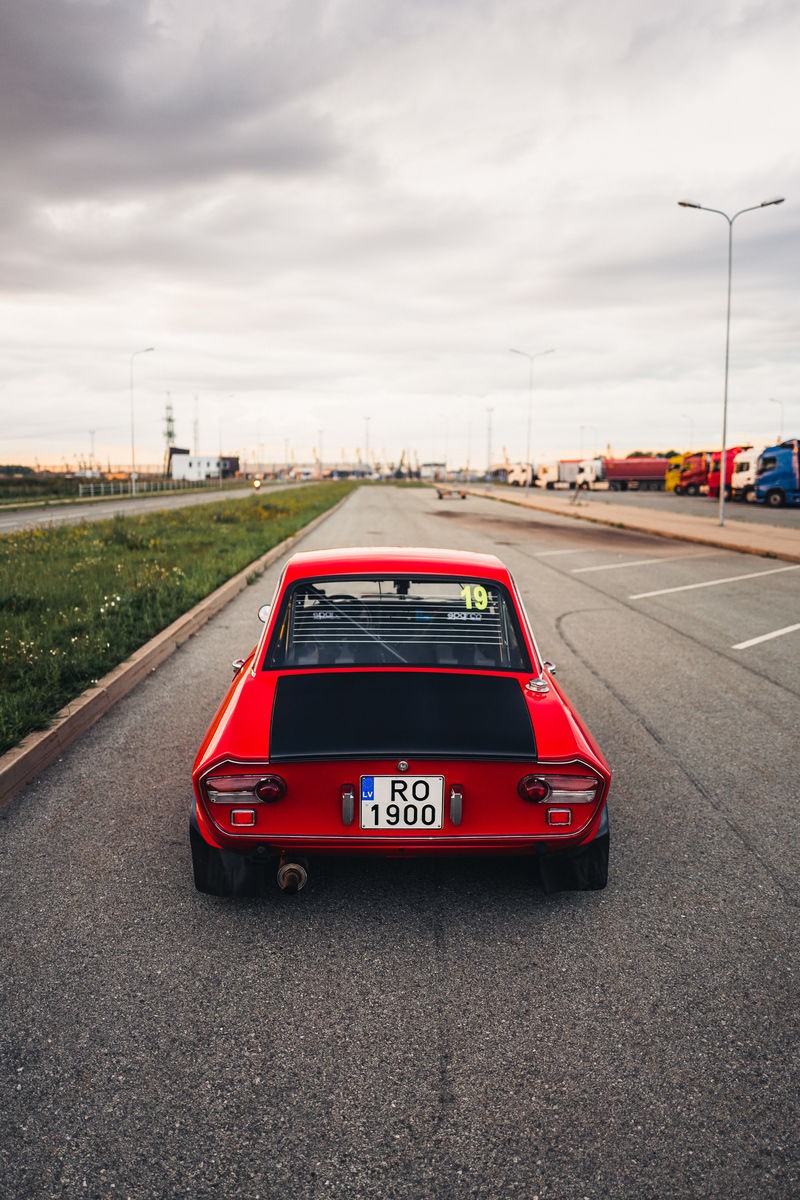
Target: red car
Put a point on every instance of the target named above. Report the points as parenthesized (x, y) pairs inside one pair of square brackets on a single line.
[(396, 704)]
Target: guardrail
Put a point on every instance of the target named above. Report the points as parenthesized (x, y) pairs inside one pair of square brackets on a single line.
[(122, 487)]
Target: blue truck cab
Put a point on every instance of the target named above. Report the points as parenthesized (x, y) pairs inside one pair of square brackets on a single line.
[(778, 474)]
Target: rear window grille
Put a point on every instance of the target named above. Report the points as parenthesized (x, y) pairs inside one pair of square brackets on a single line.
[(398, 621)]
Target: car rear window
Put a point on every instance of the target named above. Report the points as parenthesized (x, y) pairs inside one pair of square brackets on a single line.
[(398, 621)]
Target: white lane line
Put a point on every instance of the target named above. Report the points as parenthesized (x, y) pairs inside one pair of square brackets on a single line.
[(765, 637), (638, 562), (688, 587), (551, 553)]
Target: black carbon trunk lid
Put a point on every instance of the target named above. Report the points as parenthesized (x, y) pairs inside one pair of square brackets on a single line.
[(378, 714)]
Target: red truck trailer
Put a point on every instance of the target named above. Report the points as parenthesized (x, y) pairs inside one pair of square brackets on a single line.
[(624, 473)]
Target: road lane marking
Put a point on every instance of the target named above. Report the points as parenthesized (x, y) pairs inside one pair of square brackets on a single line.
[(688, 587), (637, 562), (765, 637), (550, 553)]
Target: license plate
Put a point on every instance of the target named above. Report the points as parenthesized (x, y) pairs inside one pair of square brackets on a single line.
[(402, 801)]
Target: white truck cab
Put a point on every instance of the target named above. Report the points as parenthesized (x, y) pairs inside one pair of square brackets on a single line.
[(743, 475)]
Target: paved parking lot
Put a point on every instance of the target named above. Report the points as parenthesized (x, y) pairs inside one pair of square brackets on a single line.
[(441, 1029)]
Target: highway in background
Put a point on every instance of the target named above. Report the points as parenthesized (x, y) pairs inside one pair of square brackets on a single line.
[(95, 510), (420, 1028), (72, 512)]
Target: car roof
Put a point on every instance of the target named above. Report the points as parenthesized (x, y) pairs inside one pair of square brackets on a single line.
[(422, 560)]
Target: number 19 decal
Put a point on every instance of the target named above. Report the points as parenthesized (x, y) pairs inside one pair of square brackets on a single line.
[(475, 597)]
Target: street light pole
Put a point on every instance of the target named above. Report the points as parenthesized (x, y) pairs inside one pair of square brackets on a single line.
[(730, 220), (147, 350), (530, 358)]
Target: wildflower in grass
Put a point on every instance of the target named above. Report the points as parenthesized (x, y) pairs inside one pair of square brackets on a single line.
[(110, 604)]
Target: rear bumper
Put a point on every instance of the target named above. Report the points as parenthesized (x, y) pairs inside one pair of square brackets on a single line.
[(583, 868), (358, 844)]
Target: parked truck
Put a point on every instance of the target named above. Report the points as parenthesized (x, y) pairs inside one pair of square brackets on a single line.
[(591, 473), (743, 474), (694, 474), (544, 473), (713, 471), (636, 473), (564, 473), (778, 474), (619, 474), (520, 475), (672, 475)]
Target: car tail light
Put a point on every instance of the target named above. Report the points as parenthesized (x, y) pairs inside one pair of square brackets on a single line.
[(559, 789), (232, 789), (270, 788), (534, 788)]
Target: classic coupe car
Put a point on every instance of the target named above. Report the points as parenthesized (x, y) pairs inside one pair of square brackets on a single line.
[(396, 704)]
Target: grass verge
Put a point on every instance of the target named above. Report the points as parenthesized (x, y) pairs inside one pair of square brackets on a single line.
[(76, 601)]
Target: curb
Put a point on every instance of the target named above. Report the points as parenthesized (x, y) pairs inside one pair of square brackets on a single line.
[(697, 537), (25, 761)]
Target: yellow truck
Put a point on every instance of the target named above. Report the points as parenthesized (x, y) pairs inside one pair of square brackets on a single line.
[(673, 472)]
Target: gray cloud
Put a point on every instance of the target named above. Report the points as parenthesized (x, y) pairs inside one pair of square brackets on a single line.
[(334, 207)]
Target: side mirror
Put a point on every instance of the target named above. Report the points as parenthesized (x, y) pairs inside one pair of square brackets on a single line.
[(263, 613)]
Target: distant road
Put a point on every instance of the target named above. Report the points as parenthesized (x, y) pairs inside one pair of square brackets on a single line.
[(98, 510)]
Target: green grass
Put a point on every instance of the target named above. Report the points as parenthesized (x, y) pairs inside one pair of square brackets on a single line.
[(76, 601)]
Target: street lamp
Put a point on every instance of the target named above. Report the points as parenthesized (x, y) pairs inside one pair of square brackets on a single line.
[(730, 220), (530, 358), (780, 431), (147, 350)]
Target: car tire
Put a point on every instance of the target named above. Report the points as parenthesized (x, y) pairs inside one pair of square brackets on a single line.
[(223, 872), (581, 870), (691, 489)]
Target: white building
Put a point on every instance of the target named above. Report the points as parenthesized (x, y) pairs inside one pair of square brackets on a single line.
[(195, 468), (433, 471)]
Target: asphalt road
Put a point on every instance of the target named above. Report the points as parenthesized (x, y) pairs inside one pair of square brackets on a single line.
[(98, 510), (420, 1028)]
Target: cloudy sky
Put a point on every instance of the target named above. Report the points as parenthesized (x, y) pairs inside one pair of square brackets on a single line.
[(333, 219)]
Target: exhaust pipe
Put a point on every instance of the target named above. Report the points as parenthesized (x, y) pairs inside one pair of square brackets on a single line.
[(292, 876)]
